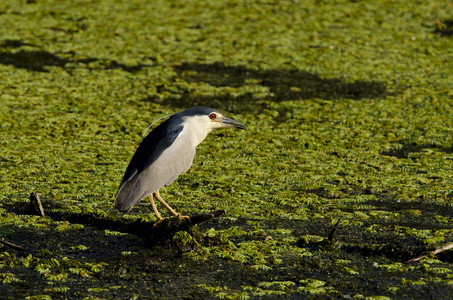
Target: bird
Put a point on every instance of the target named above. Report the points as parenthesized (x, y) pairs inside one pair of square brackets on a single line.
[(165, 153)]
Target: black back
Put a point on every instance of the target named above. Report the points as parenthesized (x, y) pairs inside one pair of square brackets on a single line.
[(160, 139)]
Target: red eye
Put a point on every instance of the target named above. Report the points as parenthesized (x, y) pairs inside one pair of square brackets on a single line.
[(212, 116)]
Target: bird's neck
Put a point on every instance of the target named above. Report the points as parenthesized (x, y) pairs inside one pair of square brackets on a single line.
[(194, 129)]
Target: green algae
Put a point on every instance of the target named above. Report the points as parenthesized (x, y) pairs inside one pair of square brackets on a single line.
[(348, 105)]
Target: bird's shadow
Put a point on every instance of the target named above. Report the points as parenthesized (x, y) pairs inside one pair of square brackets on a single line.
[(281, 84)]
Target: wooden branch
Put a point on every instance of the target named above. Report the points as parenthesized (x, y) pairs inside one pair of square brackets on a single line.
[(35, 207), (438, 250), (332, 232), (6, 243), (203, 217)]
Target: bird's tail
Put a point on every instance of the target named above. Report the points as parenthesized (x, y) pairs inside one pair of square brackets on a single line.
[(128, 195)]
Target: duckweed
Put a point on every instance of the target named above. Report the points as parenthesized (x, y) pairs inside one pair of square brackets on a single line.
[(348, 105)]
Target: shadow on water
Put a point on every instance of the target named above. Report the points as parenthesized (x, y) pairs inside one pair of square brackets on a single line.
[(445, 27), (281, 84), (285, 84), (35, 59), (160, 272), (153, 234), (425, 219), (405, 148)]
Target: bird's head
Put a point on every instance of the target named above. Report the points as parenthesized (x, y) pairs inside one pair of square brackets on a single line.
[(218, 120), (209, 119)]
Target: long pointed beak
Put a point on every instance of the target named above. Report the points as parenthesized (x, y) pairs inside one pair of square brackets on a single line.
[(227, 122)]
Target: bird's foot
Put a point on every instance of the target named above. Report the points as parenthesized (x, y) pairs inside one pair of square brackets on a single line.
[(184, 217), (158, 221)]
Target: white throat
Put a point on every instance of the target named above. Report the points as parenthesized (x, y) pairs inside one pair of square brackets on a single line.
[(197, 128)]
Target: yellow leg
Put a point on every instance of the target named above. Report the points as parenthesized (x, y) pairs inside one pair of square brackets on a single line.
[(153, 205), (171, 210)]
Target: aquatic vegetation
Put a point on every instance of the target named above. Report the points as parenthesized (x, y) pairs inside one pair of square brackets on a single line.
[(348, 105)]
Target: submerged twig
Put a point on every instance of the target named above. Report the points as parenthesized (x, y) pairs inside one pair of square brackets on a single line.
[(438, 250), (332, 232), (17, 247)]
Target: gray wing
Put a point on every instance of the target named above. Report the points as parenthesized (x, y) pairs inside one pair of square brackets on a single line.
[(176, 159)]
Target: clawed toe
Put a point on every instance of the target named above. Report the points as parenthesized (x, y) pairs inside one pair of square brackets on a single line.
[(184, 217)]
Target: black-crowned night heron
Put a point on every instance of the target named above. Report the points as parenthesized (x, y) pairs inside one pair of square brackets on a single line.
[(165, 153)]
